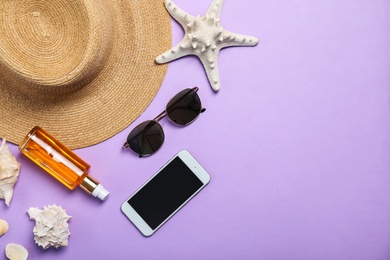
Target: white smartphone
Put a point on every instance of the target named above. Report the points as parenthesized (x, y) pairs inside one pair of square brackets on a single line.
[(156, 201)]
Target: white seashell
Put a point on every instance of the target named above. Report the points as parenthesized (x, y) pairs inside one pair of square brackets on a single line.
[(3, 227), (9, 172), (16, 252), (51, 226)]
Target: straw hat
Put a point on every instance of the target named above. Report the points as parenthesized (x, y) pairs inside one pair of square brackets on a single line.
[(83, 69)]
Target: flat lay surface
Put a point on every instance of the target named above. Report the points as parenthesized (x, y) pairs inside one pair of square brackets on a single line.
[(296, 141)]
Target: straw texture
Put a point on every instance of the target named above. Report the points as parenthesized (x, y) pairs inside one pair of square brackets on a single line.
[(82, 70)]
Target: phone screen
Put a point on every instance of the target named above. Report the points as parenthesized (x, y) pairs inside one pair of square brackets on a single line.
[(165, 193)]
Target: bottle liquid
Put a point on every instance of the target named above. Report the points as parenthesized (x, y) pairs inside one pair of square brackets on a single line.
[(60, 162)]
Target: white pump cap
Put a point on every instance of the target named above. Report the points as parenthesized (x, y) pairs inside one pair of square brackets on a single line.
[(100, 192)]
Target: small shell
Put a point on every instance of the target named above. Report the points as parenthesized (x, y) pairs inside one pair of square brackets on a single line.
[(16, 252), (3, 227)]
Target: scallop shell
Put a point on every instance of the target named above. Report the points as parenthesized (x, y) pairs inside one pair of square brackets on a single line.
[(9, 172), (3, 227), (16, 252), (51, 226)]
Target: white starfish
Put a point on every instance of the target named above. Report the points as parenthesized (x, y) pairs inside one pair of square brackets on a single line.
[(204, 37)]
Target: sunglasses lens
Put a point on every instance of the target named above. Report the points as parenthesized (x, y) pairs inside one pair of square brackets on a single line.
[(185, 107), (146, 138)]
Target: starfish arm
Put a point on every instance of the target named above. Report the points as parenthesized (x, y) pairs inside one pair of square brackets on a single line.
[(235, 39), (210, 64), (215, 9), (182, 49), (178, 14)]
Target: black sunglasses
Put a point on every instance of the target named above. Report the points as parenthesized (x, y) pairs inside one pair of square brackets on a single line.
[(147, 137)]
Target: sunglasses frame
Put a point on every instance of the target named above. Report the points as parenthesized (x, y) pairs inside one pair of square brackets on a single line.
[(161, 116)]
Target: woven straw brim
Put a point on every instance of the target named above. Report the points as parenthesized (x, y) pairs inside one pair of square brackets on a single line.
[(119, 91)]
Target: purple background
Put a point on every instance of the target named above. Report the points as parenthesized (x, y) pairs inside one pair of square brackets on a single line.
[(297, 143)]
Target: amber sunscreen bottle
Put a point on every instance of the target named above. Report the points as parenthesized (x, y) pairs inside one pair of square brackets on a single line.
[(60, 162)]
